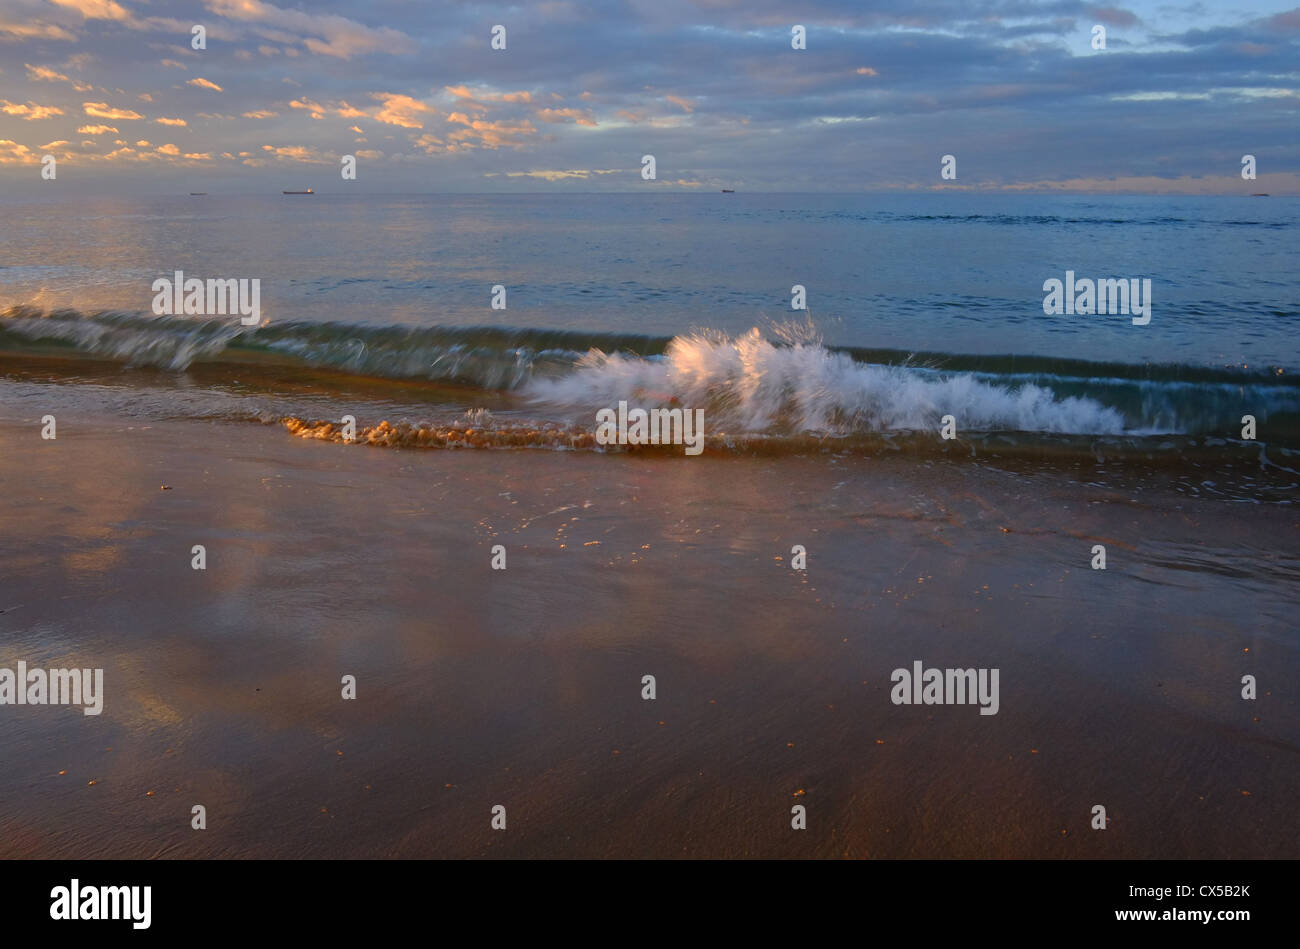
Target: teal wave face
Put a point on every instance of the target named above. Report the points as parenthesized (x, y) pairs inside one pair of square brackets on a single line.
[(784, 382)]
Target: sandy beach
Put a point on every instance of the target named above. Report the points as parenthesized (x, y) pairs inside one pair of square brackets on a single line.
[(522, 687)]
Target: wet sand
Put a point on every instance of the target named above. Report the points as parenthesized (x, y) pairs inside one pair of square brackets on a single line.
[(523, 687)]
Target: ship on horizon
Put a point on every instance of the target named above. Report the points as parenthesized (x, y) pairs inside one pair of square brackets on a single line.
[(308, 191)]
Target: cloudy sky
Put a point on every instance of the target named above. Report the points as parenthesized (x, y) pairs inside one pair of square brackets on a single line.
[(1013, 89)]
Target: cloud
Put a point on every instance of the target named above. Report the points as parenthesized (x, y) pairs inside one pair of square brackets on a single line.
[(494, 134), (25, 30), (95, 9), (102, 110), (326, 34), (315, 109), (1113, 16), (556, 175), (30, 111), (11, 153), (45, 73), (169, 149), (885, 80), (557, 116), (1285, 21), (400, 110), (468, 94), (297, 153)]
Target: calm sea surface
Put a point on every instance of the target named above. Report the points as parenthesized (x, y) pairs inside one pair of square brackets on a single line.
[(950, 273)]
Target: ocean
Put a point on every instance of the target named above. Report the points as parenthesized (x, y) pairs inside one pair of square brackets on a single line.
[(917, 306)]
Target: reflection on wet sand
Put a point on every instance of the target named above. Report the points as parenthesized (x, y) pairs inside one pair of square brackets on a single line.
[(523, 687)]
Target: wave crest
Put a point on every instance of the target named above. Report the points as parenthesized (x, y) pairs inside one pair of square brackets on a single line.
[(747, 383)]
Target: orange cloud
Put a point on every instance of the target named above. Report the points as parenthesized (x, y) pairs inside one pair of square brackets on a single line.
[(401, 111), (494, 134), (95, 9), (11, 153), (44, 72), (468, 94), (295, 153), (29, 111), (26, 30), (326, 34), (581, 117), (102, 110), (314, 109)]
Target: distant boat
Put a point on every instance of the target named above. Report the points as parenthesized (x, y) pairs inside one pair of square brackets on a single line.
[(308, 191), (194, 194), (728, 190), (1260, 194)]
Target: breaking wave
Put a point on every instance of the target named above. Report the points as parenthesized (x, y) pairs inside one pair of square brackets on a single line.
[(785, 382)]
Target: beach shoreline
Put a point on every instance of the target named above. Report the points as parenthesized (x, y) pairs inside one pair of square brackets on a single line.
[(523, 687)]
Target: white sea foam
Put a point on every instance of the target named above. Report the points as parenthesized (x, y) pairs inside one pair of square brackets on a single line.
[(750, 384)]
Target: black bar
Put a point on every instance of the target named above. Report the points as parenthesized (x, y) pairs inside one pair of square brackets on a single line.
[(932, 898)]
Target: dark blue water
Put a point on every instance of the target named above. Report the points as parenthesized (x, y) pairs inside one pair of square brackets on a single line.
[(940, 273)]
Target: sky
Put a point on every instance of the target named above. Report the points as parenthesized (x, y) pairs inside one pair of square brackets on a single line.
[(416, 93)]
